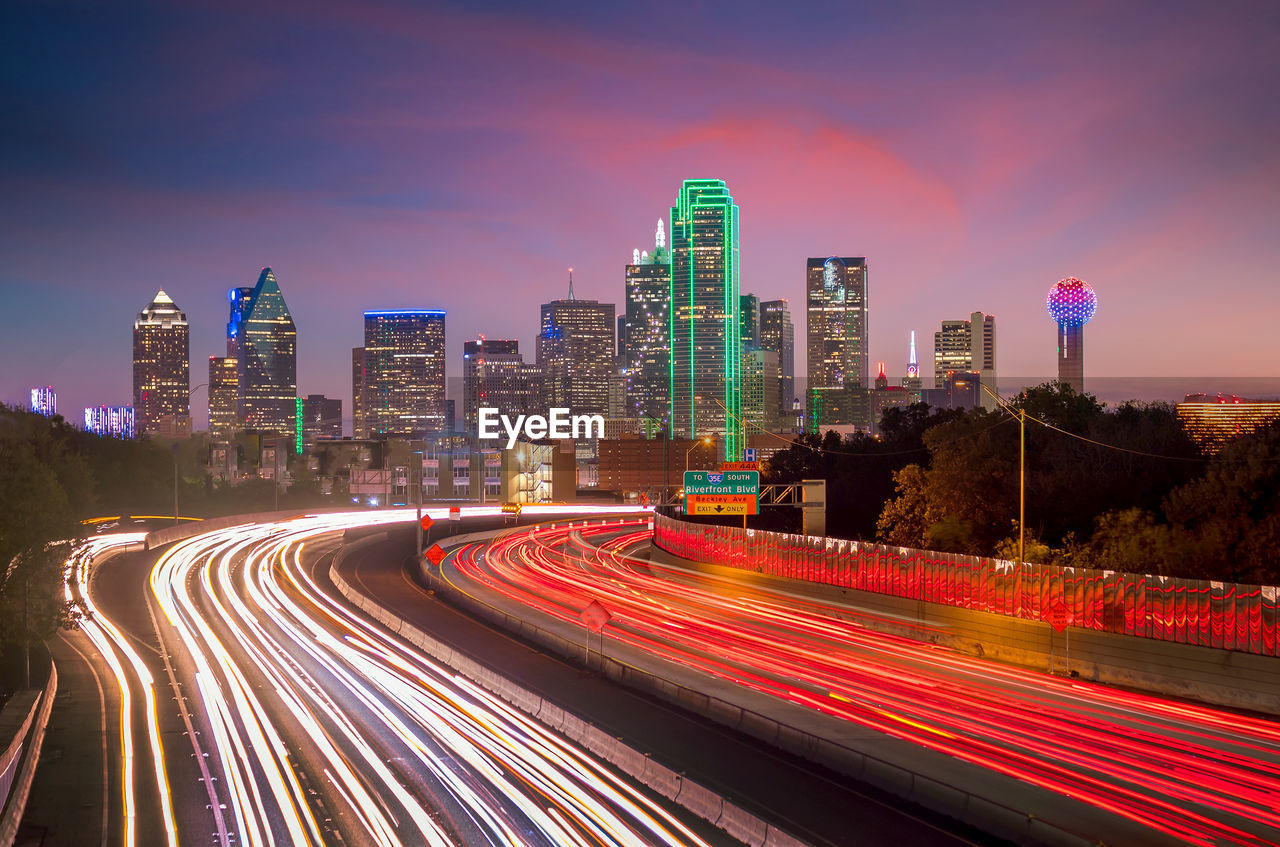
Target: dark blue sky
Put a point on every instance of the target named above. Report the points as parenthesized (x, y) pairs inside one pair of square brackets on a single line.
[(385, 155)]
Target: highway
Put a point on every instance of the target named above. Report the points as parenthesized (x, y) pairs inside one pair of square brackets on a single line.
[(1183, 772), (298, 722)]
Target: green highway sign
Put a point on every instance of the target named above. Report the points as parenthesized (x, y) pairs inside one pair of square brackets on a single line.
[(697, 483)]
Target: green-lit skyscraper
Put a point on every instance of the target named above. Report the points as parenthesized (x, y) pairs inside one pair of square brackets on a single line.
[(267, 360), (705, 335)]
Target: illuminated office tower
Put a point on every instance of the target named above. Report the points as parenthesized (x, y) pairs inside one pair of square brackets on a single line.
[(44, 401), (161, 366), (495, 375), (222, 394), (1072, 303), (967, 347), (404, 377), (647, 345), (777, 333), (706, 349), (577, 351), (266, 342), (836, 307)]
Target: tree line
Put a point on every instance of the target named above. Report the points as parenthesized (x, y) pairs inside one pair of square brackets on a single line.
[(1119, 488), (53, 476)]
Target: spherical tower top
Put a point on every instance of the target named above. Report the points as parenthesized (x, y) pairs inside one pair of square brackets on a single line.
[(1072, 302)]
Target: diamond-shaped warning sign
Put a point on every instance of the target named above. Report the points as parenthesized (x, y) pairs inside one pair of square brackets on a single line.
[(435, 554), (426, 522)]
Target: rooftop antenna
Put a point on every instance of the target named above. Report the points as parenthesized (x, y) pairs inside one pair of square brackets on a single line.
[(570, 283)]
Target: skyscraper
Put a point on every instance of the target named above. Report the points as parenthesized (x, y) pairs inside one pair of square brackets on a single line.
[(964, 347), (759, 376), (222, 394), (161, 365), (706, 354), (267, 358), (836, 307), (404, 372), (495, 375), (577, 352), (359, 425), (1072, 304), (777, 333), (749, 321), (648, 353)]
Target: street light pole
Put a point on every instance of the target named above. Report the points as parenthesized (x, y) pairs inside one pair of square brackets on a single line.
[(1022, 481), (418, 498)]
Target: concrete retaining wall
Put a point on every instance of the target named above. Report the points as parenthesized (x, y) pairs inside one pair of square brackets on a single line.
[(1222, 677), (703, 802), (23, 747)]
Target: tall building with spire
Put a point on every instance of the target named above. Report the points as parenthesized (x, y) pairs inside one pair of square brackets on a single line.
[(912, 381), (577, 352), (161, 367), (777, 333), (647, 348), (705, 383), (404, 373), (266, 346), (839, 365)]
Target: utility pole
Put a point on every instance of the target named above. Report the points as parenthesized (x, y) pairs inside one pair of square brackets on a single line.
[(1022, 481)]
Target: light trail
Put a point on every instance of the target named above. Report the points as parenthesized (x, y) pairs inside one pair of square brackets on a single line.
[(1200, 775), (111, 644), (317, 720)]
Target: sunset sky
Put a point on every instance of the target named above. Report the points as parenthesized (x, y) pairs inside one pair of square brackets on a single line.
[(462, 156)]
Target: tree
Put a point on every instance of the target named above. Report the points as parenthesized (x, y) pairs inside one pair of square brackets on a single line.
[(37, 528)]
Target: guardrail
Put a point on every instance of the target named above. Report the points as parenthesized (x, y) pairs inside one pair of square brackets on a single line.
[(970, 803), (21, 754), (1204, 613)]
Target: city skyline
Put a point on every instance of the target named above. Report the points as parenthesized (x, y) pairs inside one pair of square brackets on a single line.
[(1017, 155)]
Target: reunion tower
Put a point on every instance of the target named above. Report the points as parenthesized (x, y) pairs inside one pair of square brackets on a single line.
[(1071, 304)]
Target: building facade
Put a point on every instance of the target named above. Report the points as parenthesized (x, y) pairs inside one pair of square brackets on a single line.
[(111, 421), (836, 308), (321, 417), (495, 375), (359, 426), (577, 353), (266, 347), (222, 394), (967, 347), (1213, 420), (404, 373), (777, 333), (705, 389), (44, 401), (647, 362), (161, 365)]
